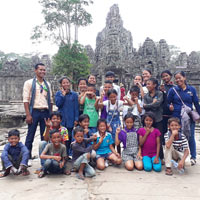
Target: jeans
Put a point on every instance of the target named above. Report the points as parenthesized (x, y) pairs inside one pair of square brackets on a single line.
[(42, 145), (192, 142), (89, 171), (53, 167), (148, 164), (38, 116), (68, 143), (159, 126)]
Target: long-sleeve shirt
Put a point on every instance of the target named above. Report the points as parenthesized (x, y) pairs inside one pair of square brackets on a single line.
[(156, 107), (189, 97), (80, 148), (68, 107), (15, 152)]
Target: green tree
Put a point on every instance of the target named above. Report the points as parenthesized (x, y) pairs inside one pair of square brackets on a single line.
[(59, 17), (72, 61)]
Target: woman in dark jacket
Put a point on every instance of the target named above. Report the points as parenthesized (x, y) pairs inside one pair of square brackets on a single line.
[(189, 97)]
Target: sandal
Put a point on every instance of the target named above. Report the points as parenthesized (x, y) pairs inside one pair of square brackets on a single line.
[(168, 172), (41, 174), (80, 177), (193, 161), (67, 172)]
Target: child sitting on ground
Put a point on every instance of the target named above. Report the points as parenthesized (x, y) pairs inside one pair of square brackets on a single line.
[(131, 155), (176, 146), (149, 138), (15, 155), (104, 146), (90, 103), (53, 123), (54, 155), (82, 153)]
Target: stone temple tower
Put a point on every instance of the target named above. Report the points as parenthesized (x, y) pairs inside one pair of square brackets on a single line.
[(114, 47)]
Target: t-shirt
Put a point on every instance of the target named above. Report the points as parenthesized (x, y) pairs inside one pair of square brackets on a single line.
[(104, 146), (91, 111), (63, 131), (133, 109), (52, 151), (179, 145), (149, 147), (115, 106)]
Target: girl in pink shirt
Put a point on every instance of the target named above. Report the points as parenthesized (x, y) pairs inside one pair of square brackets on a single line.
[(149, 139)]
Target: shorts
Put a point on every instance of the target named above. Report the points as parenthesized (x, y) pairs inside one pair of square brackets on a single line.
[(105, 156), (126, 157)]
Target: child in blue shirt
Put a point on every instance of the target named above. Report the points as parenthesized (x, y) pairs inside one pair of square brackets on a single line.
[(104, 146), (15, 155)]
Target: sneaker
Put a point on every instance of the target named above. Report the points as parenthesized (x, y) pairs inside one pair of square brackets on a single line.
[(29, 163), (193, 161), (106, 163)]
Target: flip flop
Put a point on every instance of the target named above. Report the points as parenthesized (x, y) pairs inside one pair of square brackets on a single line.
[(41, 174), (168, 172), (67, 172), (80, 177)]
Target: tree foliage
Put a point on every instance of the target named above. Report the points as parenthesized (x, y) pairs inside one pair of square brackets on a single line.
[(71, 61), (59, 18)]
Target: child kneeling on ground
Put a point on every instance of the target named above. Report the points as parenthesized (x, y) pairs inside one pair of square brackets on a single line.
[(131, 155), (176, 146), (82, 153), (54, 155), (15, 155), (104, 146)]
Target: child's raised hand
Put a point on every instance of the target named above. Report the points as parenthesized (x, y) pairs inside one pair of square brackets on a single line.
[(125, 98), (48, 122), (94, 137), (156, 160), (175, 132), (136, 100), (63, 91), (57, 158), (171, 107), (86, 130)]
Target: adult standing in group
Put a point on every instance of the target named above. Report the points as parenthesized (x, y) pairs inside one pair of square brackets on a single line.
[(92, 80), (146, 75), (38, 101), (153, 103), (67, 102), (189, 97), (110, 76)]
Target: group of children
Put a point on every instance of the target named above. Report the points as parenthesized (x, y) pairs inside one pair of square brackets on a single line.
[(94, 139)]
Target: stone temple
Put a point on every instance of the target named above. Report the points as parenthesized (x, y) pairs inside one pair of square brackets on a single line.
[(114, 51)]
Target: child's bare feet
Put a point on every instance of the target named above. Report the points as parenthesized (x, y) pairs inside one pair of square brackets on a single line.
[(80, 176)]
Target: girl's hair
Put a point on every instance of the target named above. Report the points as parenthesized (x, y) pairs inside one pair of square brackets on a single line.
[(64, 77), (129, 115), (148, 71), (151, 115), (166, 72), (182, 73), (57, 114), (111, 91), (14, 132), (101, 121), (83, 117), (78, 129), (173, 119), (82, 79), (92, 75), (154, 81), (140, 76), (135, 88)]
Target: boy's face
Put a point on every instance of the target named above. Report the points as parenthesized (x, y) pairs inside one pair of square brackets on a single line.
[(56, 139), (85, 123), (110, 78), (107, 86), (79, 136), (174, 126), (90, 92), (55, 120), (134, 95), (13, 140)]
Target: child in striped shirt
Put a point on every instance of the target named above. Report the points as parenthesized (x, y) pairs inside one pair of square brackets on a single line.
[(176, 146)]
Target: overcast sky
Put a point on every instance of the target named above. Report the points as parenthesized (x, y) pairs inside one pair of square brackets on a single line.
[(176, 21)]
